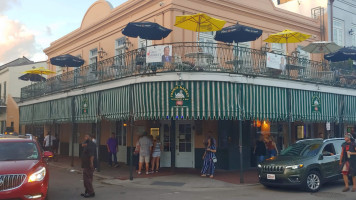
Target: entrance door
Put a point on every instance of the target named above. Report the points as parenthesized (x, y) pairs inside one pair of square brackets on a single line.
[(184, 144), (165, 160), (121, 138)]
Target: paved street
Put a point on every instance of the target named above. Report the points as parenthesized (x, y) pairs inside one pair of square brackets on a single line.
[(68, 185)]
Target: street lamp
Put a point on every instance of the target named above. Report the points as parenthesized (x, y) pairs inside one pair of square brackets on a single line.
[(101, 53)]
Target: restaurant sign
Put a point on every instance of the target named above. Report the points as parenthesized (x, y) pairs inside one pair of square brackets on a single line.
[(85, 106), (316, 104), (179, 97)]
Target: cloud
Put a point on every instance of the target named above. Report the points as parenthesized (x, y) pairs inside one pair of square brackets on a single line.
[(6, 4), (15, 40)]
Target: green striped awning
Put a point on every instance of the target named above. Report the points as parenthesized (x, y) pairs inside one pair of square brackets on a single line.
[(86, 107), (208, 100), (115, 103), (264, 103), (42, 112), (349, 109), (302, 109), (61, 110), (26, 114)]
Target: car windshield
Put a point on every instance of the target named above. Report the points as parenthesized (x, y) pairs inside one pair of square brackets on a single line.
[(18, 151), (302, 149)]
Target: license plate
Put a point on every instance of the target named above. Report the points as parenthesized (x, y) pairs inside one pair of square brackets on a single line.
[(271, 176)]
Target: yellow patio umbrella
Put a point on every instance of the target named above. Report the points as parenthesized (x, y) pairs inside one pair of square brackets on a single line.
[(39, 70), (287, 36), (199, 23)]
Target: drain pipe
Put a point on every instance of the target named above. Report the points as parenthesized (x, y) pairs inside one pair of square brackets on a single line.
[(331, 20)]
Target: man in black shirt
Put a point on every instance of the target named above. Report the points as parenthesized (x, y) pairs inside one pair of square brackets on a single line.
[(88, 156), (260, 149)]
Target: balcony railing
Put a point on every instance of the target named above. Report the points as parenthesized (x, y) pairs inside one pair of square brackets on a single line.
[(187, 57)]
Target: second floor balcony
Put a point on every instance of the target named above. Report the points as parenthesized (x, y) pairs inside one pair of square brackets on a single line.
[(194, 58)]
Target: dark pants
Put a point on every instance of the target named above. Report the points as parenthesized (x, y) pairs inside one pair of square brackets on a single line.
[(88, 180), (110, 158)]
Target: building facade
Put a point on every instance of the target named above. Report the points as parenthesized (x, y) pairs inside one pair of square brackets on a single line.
[(230, 94), (10, 91)]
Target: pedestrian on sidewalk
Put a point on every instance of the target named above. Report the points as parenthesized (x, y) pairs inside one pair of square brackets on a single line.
[(208, 165), (157, 148), (88, 159), (271, 146), (145, 144), (136, 154), (348, 161), (48, 142), (260, 149), (112, 146)]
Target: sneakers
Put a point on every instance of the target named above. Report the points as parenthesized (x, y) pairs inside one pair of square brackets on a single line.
[(86, 195), (138, 173), (147, 173)]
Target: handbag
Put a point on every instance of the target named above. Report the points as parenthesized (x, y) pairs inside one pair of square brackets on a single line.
[(215, 160)]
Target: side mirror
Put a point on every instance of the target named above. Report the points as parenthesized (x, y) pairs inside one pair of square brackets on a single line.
[(321, 157), (47, 154)]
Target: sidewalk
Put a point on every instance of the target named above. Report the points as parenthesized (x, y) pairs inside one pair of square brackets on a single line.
[(189, 178)]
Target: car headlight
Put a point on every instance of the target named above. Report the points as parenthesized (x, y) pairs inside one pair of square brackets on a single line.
[(259, 165), (294, 166), (38, 175)]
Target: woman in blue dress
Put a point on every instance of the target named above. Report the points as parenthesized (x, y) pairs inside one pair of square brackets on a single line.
[(209, 166)]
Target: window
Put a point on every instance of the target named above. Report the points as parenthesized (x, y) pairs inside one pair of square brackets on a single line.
[(4, 91), (93, 56), (279, 48), (142, 42), (121, 133), (338, 32), (303, 54), (119, 51), (353, 37), (329, 150), (0, 92)]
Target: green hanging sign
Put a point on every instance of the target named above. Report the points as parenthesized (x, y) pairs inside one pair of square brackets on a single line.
[(85, 106), (316, 104), (179, 97)]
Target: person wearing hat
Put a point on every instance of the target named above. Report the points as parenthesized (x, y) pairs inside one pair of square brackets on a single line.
[(348, 162)]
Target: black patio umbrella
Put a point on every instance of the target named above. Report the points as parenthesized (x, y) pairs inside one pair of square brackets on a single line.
[(32, 77), (67, 60), (238, 33), (342, 54), (146, 30)]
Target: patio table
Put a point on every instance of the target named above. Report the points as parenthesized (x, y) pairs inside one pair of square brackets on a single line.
[(201, 59)]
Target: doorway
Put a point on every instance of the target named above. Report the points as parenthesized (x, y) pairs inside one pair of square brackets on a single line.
[(184, 144)]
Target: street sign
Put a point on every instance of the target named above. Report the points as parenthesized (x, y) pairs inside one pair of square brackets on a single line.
[(328, 126)]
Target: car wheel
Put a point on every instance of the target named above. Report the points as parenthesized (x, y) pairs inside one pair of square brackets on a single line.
[(312, 182)]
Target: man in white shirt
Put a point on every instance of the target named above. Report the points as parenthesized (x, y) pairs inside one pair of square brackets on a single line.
[(48, 141)]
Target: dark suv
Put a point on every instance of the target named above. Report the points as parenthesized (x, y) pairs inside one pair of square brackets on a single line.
[(307, 164)]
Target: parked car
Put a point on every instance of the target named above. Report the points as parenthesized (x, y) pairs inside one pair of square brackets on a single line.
[(23, 173), (306, 164)]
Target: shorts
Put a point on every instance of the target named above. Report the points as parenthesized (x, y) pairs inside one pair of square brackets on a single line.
[(346, 168), (156, 154), (145, 159)]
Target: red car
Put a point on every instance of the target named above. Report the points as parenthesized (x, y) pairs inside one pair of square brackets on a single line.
[(23, 168)]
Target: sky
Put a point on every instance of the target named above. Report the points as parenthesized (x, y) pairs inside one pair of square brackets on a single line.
[(27, 27)]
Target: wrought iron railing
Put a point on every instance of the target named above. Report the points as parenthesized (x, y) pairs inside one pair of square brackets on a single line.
[(187, 57)]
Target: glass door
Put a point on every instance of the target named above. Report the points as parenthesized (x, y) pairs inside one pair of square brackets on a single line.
[(165, 160), (184, 144)]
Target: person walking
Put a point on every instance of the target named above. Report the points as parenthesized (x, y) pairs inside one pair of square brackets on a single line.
[(348, 161), (271, 146), (208, 165), (112, 146), (88, 160), (48, 142), (145, 144), (157, 148), (260, 149)]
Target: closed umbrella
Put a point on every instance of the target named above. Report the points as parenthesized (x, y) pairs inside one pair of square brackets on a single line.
[(199, 23)]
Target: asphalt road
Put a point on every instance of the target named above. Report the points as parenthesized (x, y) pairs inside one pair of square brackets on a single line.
[(66, 185)]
